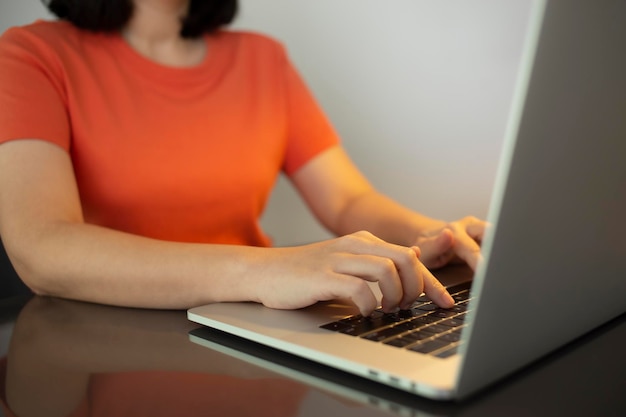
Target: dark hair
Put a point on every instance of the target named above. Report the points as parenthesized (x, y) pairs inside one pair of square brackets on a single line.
[(204, 16)]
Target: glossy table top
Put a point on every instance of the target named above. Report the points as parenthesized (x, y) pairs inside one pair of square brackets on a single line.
[(66, 358)]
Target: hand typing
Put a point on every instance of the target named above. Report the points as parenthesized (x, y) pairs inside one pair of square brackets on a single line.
[(341, 267)]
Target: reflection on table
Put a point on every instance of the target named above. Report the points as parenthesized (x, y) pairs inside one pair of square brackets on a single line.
[(67, 358)]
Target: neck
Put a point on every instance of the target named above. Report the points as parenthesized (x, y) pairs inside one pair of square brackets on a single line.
[(154, 31)]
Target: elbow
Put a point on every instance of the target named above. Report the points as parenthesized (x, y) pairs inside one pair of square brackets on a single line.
[(27, 275), (27, 267)]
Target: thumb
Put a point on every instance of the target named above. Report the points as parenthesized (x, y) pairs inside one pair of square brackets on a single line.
[(436, 250)]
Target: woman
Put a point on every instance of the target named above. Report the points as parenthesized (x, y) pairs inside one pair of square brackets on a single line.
[(139, 143)]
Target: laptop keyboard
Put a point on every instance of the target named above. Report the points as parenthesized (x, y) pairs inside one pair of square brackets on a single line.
[(424, 328)]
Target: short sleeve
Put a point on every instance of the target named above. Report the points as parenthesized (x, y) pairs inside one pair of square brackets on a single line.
[(32, 97), (309, 129)]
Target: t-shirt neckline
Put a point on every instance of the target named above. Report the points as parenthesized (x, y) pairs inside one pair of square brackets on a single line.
[(215, 59)]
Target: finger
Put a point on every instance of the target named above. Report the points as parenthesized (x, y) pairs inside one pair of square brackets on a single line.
[(399, 277), (466, 247), (354, 289), (413, 284), (475, 228), (408, 275), (469, 233), (437, 250), (435, 290), (330, 286), (375, 269), (411, 278)]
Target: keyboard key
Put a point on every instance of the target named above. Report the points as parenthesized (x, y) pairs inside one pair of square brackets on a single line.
[(449, 337), (461, 316), (443, 313), (358, 329), (399, 341), (428, 346), (417, 336), (428, 307), (435, 328), (386, 319), (461, 296), (413, 312), (336, 326), (383, 334), (447, 352), (426, 319), (409, 325), (369, 324), (353, 319), (451, 322), (459, 308)]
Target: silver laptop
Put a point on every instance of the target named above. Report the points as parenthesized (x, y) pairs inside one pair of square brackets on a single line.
[(555, 257)]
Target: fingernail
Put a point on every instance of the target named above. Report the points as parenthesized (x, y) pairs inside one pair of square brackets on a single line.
[(449, 298)]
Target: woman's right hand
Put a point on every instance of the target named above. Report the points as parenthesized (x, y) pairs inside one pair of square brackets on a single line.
[(341, 268)]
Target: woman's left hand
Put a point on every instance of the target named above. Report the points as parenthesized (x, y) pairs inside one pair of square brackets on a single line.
[(458, 241)]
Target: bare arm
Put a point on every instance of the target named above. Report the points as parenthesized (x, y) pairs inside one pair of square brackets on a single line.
[(57, 253), (344, 201)]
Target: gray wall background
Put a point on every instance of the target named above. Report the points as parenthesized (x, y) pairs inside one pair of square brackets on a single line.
[(419, 90)]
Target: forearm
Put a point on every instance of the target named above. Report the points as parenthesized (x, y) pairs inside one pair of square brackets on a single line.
[(91, 263), (384, 218), (56, 253), (344, 201)]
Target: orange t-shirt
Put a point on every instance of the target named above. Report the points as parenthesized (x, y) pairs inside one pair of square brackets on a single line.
[(181, 154)]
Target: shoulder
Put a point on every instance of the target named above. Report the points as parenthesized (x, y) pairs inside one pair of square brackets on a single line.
[(43, 42), (46, 41), (51, 41), (250, 37), (252, 42), (42, 31)]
